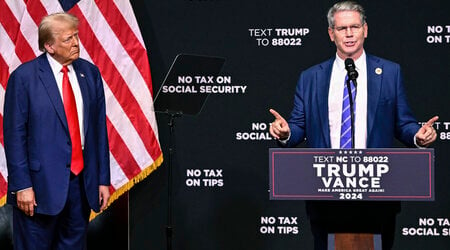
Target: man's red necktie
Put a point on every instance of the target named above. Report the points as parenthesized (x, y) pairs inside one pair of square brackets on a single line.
[(70, 108)]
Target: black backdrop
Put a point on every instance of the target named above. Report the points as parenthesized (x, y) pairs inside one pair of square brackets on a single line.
[(228, 143)]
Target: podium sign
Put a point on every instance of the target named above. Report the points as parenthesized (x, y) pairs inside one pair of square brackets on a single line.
[(356, 174)]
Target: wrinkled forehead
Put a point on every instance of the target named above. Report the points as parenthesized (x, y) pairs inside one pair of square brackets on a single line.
[(347, 17), (64, 28)]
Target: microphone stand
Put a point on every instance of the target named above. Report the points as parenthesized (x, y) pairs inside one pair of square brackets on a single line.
[(352, 109)]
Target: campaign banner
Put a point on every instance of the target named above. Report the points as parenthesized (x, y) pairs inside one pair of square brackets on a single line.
[(353, 174)]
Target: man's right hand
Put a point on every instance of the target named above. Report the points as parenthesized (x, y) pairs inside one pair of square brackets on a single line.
[(279, 128), (26, 201)]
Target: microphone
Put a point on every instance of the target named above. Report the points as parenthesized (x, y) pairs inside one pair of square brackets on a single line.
[(351, 70), (352, 75)]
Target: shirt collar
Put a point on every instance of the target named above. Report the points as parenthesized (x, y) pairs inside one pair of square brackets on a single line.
[(55, 65), (360, 63)]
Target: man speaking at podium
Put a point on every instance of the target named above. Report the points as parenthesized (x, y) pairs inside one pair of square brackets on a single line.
[(322, 114)]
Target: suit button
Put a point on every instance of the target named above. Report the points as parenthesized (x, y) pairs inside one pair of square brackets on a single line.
[(68, 166)]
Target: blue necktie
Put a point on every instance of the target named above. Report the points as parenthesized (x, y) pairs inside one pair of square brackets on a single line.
[(346, 124)]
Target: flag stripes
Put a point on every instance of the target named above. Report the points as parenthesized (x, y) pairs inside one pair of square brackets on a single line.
[(120, 89)]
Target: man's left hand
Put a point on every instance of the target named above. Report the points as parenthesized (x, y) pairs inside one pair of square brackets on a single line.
[(103, 196), (427, 134)]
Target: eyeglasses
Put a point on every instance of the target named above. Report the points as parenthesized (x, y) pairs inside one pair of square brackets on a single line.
[(353, 28)]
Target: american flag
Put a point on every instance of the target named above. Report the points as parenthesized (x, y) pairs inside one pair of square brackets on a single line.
[(109, 38)]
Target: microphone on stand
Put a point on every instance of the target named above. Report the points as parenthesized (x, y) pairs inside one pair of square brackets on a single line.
[(352, 75), (351, 70)]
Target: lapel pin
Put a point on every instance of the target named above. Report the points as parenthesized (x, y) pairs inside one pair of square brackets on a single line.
[(81, 74), (378, 71)]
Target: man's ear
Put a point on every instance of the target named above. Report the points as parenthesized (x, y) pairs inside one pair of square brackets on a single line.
[(49, 48), (366, 30), (331, 34)]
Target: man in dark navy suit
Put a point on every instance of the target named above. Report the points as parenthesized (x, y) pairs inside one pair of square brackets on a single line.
[(55, 141), (381, 114)]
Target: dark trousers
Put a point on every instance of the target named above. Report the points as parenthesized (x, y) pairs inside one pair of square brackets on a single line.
[(64, 231)]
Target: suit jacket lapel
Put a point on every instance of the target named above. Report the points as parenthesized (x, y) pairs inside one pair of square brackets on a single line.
[(48, 80), (374, 77), (82, 81), (323, 86)]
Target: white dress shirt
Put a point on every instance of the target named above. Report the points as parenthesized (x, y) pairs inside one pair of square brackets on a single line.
[(335, 95)]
